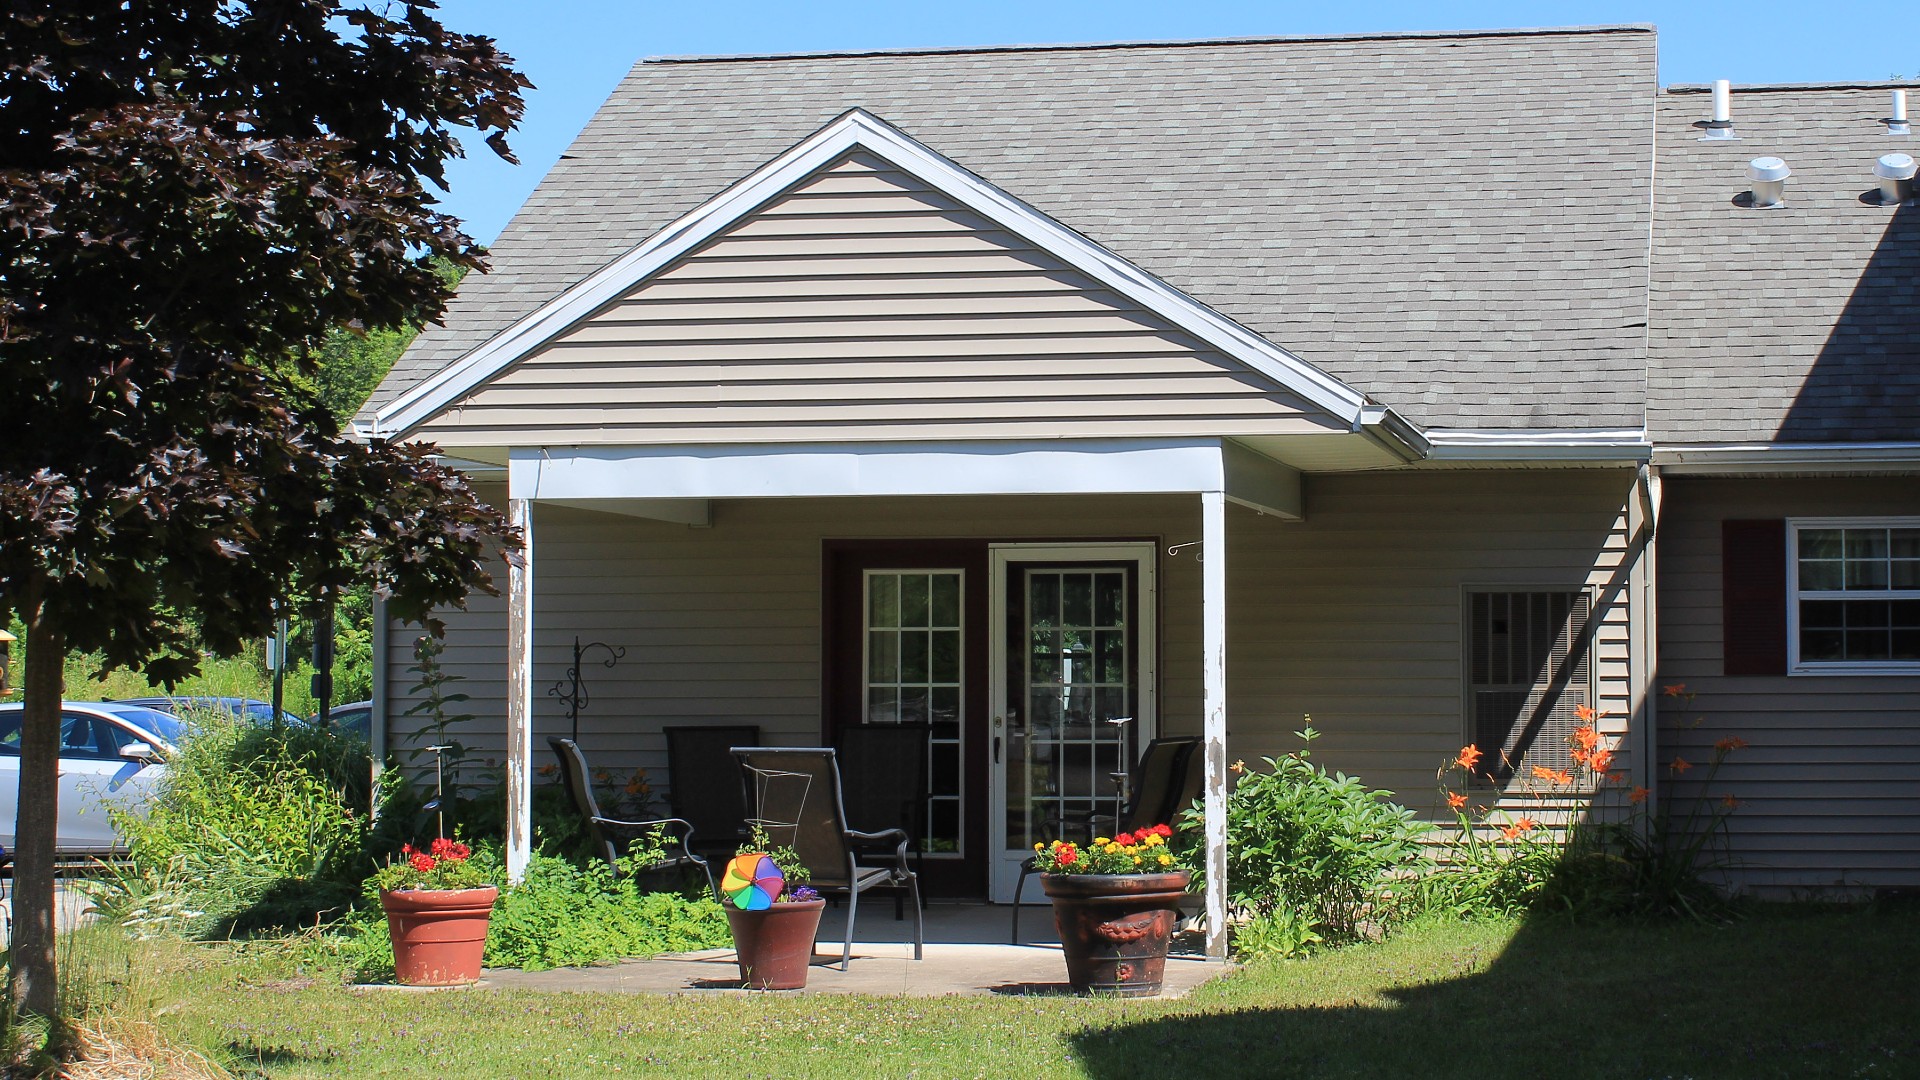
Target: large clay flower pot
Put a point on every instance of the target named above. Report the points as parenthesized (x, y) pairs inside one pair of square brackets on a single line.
[(439, 935), (775, 945), (1114, 928)]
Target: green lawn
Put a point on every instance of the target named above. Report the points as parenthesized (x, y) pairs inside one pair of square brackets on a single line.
[(1782, 993)]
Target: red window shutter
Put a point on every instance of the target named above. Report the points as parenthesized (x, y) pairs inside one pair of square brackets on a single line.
[(1753, 596)]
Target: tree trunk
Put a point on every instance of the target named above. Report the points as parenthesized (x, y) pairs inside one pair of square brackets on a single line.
[(32, 981)]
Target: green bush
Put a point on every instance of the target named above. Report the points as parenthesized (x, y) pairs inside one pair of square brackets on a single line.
[(563, 915), (250, 827), (1322, 847)]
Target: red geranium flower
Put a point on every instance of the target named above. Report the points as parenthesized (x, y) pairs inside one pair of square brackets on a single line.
[(423, 862), (1162, 831), (1068, 855), (1124, 839)]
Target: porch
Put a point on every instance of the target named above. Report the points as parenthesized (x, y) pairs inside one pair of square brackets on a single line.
[(966, 955)]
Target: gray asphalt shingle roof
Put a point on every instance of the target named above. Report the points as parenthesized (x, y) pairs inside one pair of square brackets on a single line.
[(1454, 224), (1800, 324)]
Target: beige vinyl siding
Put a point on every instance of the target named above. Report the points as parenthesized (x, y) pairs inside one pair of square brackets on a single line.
[(863, 305), (1353, 615), (1829, 786)]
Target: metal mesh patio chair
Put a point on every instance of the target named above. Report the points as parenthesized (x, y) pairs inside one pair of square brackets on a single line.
[(889, 762), (703, 786), (611, 836), (796, 796), (1166, 781)]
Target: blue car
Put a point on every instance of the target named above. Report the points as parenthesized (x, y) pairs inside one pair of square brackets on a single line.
[(237, 707)]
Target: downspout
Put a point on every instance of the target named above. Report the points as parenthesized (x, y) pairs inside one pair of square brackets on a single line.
[(1645, 616)]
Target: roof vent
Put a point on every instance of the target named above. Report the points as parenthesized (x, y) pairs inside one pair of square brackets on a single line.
[(1897, 123), (1720, 128), (1769, 176), (1896, 178)]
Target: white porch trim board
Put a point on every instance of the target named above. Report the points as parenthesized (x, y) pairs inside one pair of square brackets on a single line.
[(1213, 616), (520, 695), (631, 477)]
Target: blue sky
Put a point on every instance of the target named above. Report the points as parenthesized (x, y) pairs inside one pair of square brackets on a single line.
[(576, 50)]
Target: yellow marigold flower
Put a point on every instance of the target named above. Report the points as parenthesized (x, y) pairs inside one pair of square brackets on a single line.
[(1113, 848), (1165, 859), (1039, 847), (1101, 841), (1137, 860)]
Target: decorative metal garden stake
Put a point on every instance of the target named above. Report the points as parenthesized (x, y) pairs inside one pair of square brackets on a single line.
[(575, 695)]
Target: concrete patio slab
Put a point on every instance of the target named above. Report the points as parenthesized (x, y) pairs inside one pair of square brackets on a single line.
[(885, 969), (966, 954)]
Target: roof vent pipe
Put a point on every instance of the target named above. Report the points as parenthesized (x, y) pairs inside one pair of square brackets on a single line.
[(1769, 176), (1896, 178), (1897, 123), (1720, 128)]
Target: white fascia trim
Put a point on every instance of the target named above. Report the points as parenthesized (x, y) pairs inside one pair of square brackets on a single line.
[(1092, 467), (1789, 457), (1599, 445), (1394, 432), (863, 130)]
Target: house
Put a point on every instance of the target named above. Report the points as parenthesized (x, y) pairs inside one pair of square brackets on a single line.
[(1434, 385)]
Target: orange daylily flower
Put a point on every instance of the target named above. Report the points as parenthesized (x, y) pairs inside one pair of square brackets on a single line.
[(1585, 737), (1614, 777), (1585, 713), (1520, 827), (1469, 757), (1601, 761), (1557, 776), (1730, 802), (1730, 743), (1239, 766), (1638, 795), (1679, 766), (1678, 689), (1456, 800)]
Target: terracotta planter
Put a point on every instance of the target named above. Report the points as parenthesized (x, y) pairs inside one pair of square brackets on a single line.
[(775, 945), (1114, 928), (439, 935)]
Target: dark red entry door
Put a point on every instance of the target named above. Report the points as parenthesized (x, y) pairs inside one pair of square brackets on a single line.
[(906, 643)]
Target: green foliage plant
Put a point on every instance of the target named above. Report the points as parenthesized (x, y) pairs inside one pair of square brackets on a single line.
[(1281, 934), (249, 827), (1617, 851), (1325, 849)]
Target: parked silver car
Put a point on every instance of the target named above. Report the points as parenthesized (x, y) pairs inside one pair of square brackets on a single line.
[(108, 750)]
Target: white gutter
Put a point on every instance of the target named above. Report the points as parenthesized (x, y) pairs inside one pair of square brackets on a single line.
[(1891, 457), (1600, 445)]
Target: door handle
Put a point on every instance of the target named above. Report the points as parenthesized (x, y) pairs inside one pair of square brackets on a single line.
[(996, 749)]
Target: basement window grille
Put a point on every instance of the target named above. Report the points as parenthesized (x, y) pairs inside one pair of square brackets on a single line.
[(1529, 671)]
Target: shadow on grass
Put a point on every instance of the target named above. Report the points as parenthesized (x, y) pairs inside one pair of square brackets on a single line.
[(1824, 994)]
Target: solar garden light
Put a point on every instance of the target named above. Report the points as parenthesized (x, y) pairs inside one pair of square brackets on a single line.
[(437, 806)]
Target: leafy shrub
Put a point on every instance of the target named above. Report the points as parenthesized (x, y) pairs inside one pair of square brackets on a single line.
[(249, 827), (1320, 847), (563, 915), (1283, 934), (1608, 860)]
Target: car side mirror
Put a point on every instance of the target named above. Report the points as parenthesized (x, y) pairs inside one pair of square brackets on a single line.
[(139, 751)]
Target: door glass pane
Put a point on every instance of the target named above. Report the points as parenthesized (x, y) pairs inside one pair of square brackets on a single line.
[(913, 676), (1074, 679)]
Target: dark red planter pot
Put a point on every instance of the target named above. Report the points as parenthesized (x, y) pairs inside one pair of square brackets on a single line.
[(775, 946), (1115, 928), (439, 935)]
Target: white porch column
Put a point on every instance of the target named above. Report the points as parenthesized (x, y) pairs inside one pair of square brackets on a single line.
[(520, 697), (1213, 617)]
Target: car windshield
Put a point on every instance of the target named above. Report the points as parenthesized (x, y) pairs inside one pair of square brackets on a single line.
[(167, 727)]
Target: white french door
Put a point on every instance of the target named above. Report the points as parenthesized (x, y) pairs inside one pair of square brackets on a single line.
[(1072, 684)]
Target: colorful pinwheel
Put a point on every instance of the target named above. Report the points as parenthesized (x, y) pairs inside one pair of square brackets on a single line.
[(752, 881)]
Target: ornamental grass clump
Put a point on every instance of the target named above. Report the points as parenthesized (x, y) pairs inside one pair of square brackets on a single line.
[(1143, 851)]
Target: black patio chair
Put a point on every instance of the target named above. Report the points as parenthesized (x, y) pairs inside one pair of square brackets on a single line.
[(889, 763), (703, 788), (795, 793), (1165, 782), (611, 836)]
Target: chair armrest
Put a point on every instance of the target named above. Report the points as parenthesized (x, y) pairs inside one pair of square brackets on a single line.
[(897, 837)]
